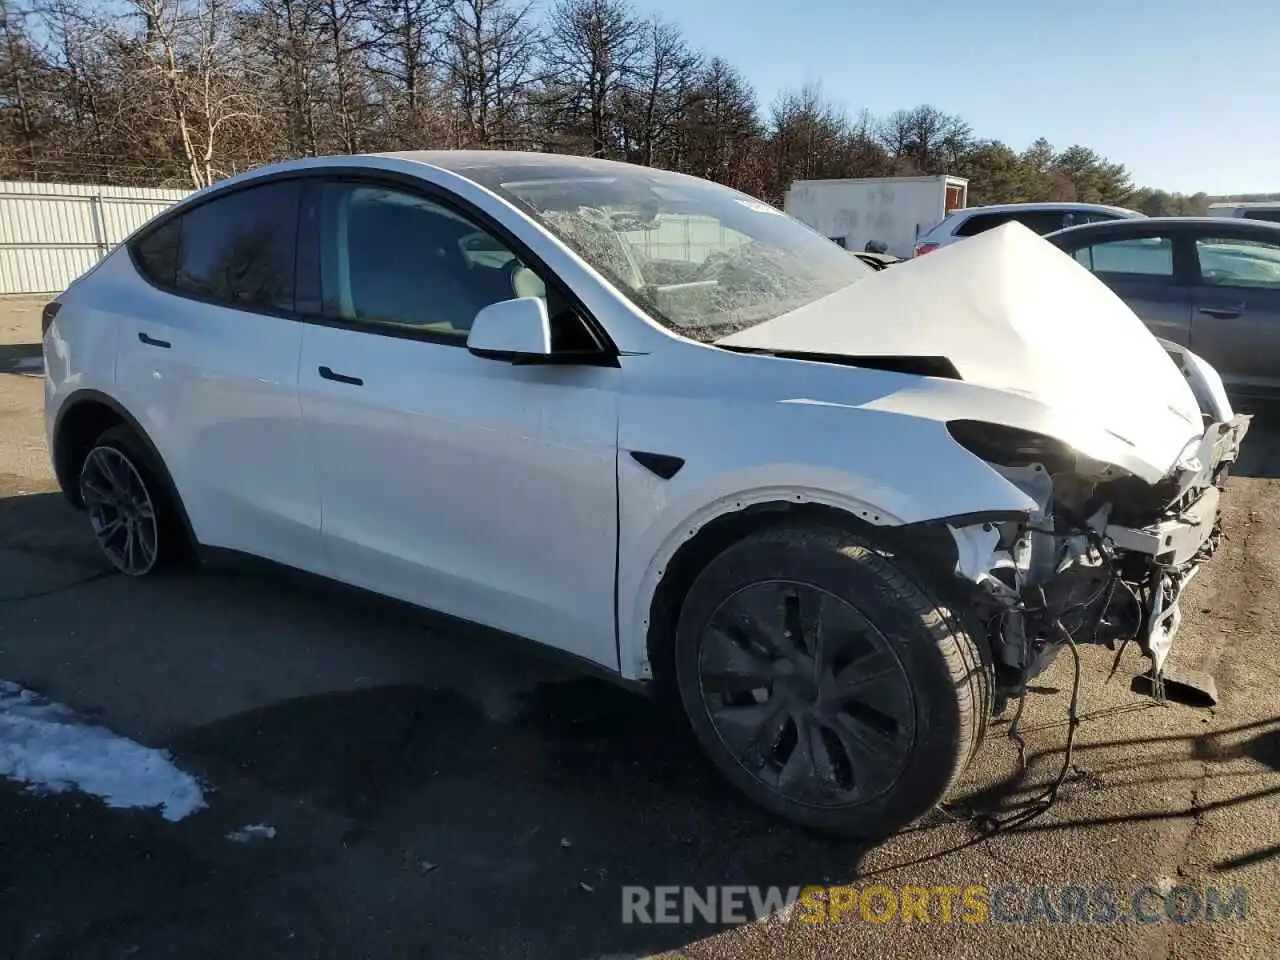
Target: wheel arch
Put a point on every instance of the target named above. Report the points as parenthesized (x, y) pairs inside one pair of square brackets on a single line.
[(85, 416), (676, 567)]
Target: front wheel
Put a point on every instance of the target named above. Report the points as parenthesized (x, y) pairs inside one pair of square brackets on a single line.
[(826, 683)]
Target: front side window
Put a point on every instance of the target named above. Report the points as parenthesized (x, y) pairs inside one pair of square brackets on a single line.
[(394, 259), (1230, 262), (238, 250), (702, 259), (1145, 257)]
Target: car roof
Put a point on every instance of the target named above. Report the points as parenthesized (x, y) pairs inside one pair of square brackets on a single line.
[(468, 164), (1245, 205), (1065, 205), (459, 161), (1176, 224)]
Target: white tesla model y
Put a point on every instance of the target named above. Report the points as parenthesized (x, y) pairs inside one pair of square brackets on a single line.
[(660, 426)]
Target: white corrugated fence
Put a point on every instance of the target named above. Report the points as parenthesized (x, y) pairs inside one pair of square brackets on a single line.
[(50, 233)]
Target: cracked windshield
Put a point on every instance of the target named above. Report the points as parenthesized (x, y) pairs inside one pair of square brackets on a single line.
[(703, 260)]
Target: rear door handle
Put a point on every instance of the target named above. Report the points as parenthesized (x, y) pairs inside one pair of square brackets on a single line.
[(1223, 313), (330, 374), (151, 341)]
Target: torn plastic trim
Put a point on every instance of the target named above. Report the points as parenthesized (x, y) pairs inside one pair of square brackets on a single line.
[(1205, 382), (975, 549)]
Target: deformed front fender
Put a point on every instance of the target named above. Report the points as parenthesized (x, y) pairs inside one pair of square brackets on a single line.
[(894, 471)]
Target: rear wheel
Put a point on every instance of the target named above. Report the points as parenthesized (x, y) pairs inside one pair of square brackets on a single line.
[(826, 683), (133, 518)]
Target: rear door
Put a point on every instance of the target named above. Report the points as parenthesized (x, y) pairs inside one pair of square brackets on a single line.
[(1141, 270), (207, 360), (1236, 298)]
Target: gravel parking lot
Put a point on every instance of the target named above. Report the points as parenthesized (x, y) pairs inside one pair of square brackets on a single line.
[(438, 791)]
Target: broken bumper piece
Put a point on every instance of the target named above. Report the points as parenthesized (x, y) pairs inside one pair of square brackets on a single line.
[(1183, 538), (1117, 575)]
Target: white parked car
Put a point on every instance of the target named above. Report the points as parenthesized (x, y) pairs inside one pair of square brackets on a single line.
[(660, 426), (1265, 210), (1041, 218)]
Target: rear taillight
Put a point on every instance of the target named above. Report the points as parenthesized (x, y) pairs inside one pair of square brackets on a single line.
[(46, 316), (923, 248)]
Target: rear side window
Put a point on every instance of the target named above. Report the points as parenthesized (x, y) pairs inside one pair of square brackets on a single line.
[(981, 223), (1271, 216), (239, 249), (1076, 218), (1042, 221), (1150, 257)]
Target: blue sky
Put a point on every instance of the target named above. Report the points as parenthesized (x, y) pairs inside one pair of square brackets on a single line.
[(1185, 93)]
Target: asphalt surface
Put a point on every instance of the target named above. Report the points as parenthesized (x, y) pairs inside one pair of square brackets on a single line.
[(437, 791)]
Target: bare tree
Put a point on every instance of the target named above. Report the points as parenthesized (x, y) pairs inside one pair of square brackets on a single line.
[(591, 51), (71, 51), (185, 91), (810, 139), (665, 75), (188, 50), (17, 58), (492, 53), (345, 40), (719, 125), (284, 37), (925, 139)]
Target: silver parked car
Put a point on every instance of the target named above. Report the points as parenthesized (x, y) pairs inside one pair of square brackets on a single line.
[(1211, 284), (1041, 218)]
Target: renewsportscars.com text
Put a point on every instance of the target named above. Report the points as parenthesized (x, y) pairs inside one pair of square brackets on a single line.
[(939, 904)]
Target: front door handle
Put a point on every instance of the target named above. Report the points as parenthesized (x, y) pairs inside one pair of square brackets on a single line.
[(330, 374), (1223, 313), (151, 341)]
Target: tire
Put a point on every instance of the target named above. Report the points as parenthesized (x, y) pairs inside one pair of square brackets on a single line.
[(886, 711), (119, 484)]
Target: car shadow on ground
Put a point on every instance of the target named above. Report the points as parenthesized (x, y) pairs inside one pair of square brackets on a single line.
[(1260, 452), (420, 813), (22, 358)]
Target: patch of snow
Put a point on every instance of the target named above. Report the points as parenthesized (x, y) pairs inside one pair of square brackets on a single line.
[(48, 747), (254, 831)]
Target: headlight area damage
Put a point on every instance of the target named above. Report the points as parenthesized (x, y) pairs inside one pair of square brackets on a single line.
[(1105, 556)]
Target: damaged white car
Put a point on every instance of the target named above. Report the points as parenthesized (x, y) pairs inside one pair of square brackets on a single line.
[(655, 424)]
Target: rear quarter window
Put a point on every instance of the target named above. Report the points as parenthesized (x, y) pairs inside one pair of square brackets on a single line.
[(943, 226), (156, 253)]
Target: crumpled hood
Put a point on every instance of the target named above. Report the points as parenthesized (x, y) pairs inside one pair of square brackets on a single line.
[(1010, 312)]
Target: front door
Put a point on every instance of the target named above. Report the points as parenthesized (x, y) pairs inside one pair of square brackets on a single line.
[(475, 487), (1236, 299)]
